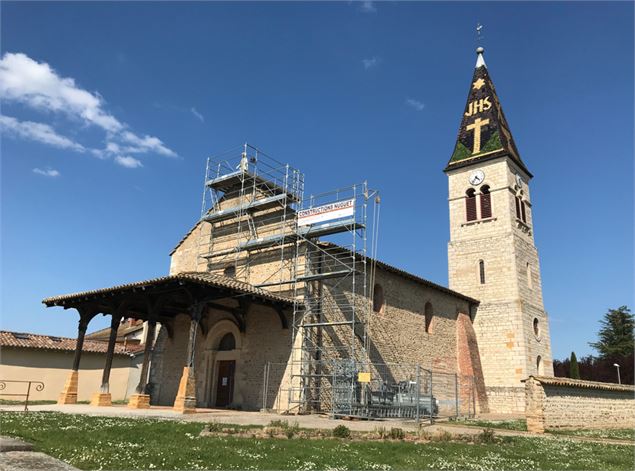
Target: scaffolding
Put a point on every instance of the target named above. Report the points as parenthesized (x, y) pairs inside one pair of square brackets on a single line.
[(249, 205), (257, 227)]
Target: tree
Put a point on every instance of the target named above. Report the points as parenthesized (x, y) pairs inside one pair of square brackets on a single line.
[(574, 369), (615, 338)]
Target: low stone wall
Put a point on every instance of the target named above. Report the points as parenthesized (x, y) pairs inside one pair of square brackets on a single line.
[(506, 400), (562, 403)]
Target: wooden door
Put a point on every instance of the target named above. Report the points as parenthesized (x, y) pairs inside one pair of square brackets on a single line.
[(225, 382)]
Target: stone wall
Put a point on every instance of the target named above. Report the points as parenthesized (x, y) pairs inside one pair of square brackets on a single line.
[(510, 292), (562, 403)]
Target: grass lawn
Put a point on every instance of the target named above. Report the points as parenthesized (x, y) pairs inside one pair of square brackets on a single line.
[(618, 433), (517, 424), (124, 443)]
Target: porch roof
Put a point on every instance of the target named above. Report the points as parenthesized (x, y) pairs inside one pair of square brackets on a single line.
[(169, 295)]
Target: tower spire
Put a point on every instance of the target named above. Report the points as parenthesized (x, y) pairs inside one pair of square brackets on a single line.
[(484, 133)]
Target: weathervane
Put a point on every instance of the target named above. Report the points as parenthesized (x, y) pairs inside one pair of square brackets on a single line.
[(479, 28)]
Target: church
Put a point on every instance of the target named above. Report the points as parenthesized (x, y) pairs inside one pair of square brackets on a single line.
[(276, 300)]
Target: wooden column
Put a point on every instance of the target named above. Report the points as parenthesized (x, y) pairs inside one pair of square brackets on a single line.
[(103, 397), (185, 401), (69, 393), (141, 398)]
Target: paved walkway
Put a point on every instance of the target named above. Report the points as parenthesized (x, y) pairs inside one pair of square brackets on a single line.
[(17, 455)]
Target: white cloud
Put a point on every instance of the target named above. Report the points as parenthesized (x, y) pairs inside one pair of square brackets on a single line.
[(197, 114), (39, 132), (128, 162), (48, 172), (141, 145), (368, 7), (35, 84), (370, 63), (416, 104)]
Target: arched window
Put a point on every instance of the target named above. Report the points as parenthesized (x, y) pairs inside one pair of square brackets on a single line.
[(428, 314), (536, 327), (470, 204), (227, 343), (378, 298), (539, 365), (481, 271), (523, 212), (486, 202)]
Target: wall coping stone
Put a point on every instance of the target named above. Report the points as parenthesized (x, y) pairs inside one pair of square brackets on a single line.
[(580, 383)]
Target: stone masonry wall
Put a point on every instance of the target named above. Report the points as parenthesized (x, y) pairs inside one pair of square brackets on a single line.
[(511, 294), (560, 403)]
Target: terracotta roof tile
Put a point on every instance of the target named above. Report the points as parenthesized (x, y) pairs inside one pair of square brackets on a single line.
[(208, 279), (49, 342)]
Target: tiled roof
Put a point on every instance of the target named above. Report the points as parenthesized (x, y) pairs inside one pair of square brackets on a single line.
[(49, 342), (410, 276), (580, 383), (124, 329), (484, 133), (207, 279)]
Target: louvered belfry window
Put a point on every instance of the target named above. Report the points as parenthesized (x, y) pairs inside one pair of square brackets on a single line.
[(486, 203), (470, 205), (522, 211), (517, 207)]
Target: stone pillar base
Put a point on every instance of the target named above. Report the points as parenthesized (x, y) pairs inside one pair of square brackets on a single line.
[(69, 393), (139, 401), (185, 401), (101, 400)]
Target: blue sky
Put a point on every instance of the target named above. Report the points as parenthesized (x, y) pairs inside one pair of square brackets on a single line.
[(102, 171)]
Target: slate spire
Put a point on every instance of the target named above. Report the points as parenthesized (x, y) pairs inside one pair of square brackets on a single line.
[(484, 133)]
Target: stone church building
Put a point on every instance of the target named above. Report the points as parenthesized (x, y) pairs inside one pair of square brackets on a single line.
[(276, 300)]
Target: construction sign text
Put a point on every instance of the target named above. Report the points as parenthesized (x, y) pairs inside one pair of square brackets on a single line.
[(326, 212)]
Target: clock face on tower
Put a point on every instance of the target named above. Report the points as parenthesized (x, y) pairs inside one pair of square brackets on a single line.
[(476, 177)]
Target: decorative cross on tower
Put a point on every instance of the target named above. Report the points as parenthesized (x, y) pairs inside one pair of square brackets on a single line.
[(476, 126)]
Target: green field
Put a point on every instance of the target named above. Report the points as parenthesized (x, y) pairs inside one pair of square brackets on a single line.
[(89, 442)]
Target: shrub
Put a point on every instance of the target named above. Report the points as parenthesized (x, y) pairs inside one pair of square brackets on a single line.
[(279, 424), (397, 433), (381, 432), (486, 436), (443, 436), (291, 430), (214, 427), (341, 431)]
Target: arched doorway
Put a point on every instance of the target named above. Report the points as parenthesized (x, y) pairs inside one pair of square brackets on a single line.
[(222, 352), (226, 371)]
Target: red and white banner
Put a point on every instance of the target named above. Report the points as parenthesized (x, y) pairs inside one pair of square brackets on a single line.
[(326, 212)]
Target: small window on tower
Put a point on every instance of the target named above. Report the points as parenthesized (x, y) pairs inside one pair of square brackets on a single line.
[(481, 271), (470, 204), (486, 202), (517, 199)]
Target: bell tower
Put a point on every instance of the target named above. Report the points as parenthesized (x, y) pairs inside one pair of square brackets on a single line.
[(491, 253)]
